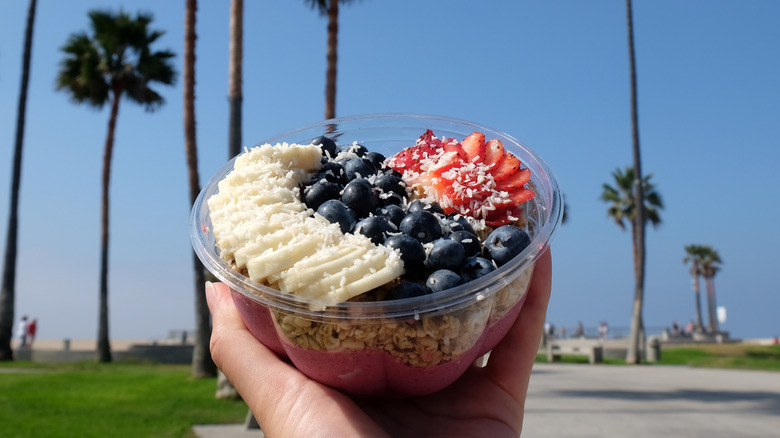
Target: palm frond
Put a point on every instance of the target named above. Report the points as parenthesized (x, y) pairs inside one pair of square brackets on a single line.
[(621, 198), (80, 71), (116, 56)]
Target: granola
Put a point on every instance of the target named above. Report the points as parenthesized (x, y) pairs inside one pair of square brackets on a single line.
[(420, 342)]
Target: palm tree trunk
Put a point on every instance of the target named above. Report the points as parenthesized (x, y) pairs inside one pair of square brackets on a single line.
[(333, 44), (711, 305), (103, 343), (8, 294), (202, 364), (697, 293), (235, 95), (639, 219)]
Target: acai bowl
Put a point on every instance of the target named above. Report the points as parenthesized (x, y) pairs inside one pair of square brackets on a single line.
[(326, 238)]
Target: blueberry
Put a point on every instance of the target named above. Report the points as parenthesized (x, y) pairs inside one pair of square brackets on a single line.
[(320, 191), (446, 254), (418, 205), (412, 251), (377, 159), (393, 212), (406, 289), (443, 279), (505, 242), (357, 149), (319, 176), (332, 171), (421, 225), (470, 242), (327, 145), (475, 267), (390, 199), (390, 183), (393, 172), (336, 212), (358, 168), (458, 223), (360, 196), (375, 228)]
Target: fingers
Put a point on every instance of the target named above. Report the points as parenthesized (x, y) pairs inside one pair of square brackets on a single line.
[(511, 361), (227, 323), (283, 400), (249, 365)]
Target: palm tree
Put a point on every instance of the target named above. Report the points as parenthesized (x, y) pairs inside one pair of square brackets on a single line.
[(331, 9), (694, 254), (623, 207), (114, 61), (710, 265), (8, 294), (639, 220), (235, 95), (622, 201), (202, 364)]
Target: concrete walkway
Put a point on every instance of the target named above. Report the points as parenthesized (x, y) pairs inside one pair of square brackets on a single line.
[(651, 401), (226, 431), (610, 401)]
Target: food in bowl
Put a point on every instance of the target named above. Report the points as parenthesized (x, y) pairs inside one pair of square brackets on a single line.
[(374, 274)]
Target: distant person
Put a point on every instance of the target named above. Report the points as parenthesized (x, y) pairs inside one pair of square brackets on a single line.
[(675, 328), (21, 331), (603, 330), (689, 328), (32, 327), (546, 332)]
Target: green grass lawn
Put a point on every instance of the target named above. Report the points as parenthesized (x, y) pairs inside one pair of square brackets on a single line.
[(737, 356), (108, 400), (542, 358), (741, 356)]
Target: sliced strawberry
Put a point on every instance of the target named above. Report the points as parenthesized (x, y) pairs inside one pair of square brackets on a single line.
[(508, 210), (474, 147), (507, 168), (445, 162), (516, 180), (427, 137), (410, 159), (521, 195), (494, 153), (451, 145), (469, 176), (496, 218)]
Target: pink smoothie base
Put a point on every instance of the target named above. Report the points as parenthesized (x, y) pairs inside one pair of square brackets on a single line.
[(369, 372)]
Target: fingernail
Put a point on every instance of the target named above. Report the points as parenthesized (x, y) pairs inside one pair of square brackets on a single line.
[(209, 288)]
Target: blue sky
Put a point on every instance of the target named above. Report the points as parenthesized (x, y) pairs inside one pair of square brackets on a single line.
[(552, 74)]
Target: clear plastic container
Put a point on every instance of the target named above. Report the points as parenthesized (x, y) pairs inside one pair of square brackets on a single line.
[(396, 348)]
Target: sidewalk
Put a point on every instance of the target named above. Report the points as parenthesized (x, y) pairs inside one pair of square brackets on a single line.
[(611, 401), (651, 401)]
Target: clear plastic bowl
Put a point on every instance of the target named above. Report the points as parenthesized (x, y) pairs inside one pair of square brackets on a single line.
[(396, 348)]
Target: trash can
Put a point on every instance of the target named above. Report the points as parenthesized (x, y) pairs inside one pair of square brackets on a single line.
[(653, 349)]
